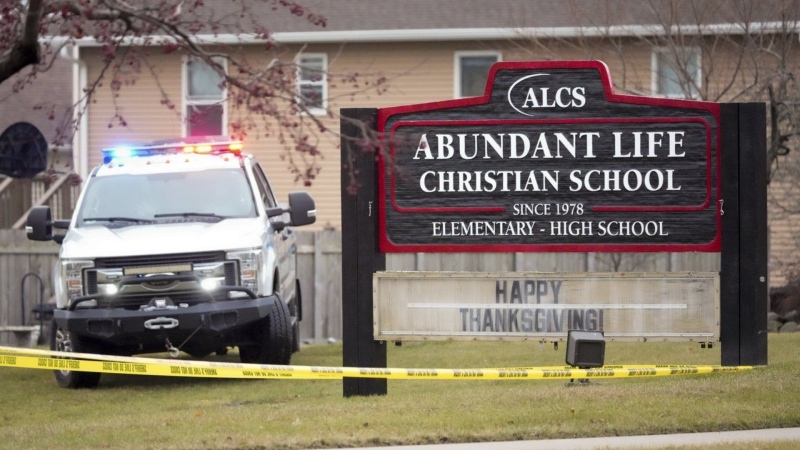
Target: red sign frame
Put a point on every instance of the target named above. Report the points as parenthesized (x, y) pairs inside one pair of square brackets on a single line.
[(712, 190)]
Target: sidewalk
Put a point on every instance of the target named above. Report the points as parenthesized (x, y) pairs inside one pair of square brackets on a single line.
[(619, 442)]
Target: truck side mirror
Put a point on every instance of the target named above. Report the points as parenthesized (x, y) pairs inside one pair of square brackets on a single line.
[(39, 224), (302, 210)]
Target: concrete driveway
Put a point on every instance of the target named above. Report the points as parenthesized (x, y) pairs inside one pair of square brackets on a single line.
[(620, 442)]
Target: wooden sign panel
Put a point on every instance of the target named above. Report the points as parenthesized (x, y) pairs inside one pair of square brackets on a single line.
[(550, 159), (544, 306)]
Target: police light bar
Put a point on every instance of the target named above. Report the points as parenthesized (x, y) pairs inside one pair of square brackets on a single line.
[(173, 148)]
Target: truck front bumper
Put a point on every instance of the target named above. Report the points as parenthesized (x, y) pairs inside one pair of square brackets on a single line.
[(122, 326)]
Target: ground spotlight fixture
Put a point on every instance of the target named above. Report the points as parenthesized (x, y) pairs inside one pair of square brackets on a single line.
[(586, 349)]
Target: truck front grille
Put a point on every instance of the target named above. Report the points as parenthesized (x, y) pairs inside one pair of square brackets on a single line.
[(157, 260), (111, 270)]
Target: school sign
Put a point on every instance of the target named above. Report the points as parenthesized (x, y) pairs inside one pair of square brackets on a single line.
[(550, 159)]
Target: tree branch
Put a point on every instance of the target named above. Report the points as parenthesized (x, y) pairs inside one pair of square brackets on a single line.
[(26, 51)]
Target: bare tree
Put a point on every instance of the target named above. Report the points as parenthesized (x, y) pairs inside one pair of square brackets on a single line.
[(262, 99), (720, 51)]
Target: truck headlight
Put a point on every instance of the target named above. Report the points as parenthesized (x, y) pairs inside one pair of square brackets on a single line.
[(250, 262), (210, 284), (72, 276), (108, 289)]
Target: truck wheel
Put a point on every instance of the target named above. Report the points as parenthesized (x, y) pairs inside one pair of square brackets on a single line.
[(273, 337), (63, 341)]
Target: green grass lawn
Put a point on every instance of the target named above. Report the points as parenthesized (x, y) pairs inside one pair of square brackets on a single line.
[(163, 412)]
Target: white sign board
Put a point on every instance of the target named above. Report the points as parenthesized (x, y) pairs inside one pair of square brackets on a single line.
[(544, 306)]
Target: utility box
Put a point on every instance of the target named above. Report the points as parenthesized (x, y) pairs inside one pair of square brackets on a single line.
[(586, 349)]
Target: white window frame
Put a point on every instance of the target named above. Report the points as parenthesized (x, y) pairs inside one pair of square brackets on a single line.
[(186, 102), (322, 82), (654, 62), (457, 66)]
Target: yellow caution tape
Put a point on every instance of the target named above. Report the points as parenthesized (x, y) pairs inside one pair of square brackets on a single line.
[(85, 362), (618, 366)]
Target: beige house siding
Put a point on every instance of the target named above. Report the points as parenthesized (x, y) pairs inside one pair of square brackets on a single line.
[(417, 72), (137, 103), (784, 227)]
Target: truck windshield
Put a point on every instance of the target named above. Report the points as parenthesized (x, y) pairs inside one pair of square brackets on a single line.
[(127, 199)]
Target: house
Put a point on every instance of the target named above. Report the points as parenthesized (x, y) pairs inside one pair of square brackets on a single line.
[(426, 50), (432, 50)]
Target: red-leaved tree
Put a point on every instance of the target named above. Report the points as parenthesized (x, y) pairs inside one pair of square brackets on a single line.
[(33, 32)]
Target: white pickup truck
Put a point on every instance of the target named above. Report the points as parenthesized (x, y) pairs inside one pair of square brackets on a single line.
[(176, 246)]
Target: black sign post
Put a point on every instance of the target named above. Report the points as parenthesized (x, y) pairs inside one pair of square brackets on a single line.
[(551, 159), (743, 274), (360, 255)]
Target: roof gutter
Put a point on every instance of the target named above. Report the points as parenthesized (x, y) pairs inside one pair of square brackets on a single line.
[(461, 34)]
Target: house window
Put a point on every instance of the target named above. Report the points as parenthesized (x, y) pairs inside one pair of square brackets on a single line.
[(204, 100), (312, 84), (676, 72), (472, 71)]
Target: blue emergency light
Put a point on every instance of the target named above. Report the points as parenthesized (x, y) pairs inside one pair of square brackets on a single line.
[(203, 146), (122, 152)]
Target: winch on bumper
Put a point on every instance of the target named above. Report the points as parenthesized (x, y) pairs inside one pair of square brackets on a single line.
[(161, 318)]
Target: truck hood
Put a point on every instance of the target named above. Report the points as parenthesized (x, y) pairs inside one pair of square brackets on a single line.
[(156, 239)]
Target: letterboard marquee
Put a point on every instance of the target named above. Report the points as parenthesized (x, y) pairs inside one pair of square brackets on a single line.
[(544, 306), (550, 159)]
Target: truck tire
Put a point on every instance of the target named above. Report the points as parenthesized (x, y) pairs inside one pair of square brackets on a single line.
[(273, 336), (64, 341)]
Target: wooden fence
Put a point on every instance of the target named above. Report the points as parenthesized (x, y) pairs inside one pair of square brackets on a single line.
[(320, 267), (19, 257)]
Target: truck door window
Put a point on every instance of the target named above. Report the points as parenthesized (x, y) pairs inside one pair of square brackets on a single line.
[(263, 186)]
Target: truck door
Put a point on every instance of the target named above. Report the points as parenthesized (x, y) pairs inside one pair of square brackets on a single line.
[(283, 240)]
